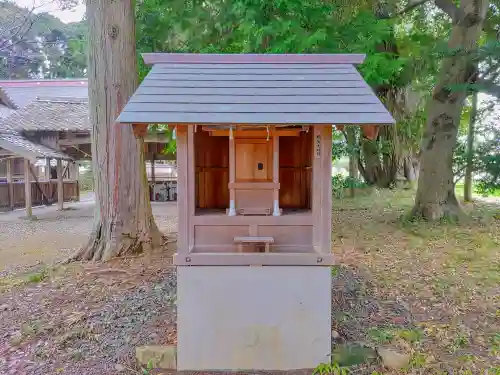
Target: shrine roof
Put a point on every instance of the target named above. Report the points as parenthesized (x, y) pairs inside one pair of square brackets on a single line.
[(254, 89)]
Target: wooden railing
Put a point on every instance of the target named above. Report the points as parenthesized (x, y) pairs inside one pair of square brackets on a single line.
[(45, 192)]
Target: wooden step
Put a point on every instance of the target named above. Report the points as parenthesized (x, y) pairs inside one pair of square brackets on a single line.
[(254, 211), (266, 241)]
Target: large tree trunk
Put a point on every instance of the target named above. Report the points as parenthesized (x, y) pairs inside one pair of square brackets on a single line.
[(123, 219), (435, 198), (470, 151), (379, 164)]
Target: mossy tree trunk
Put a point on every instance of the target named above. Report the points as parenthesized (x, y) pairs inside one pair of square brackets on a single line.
[(435, 198)]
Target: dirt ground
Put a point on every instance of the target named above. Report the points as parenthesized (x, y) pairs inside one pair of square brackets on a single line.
[(55, 235), (431, 291)]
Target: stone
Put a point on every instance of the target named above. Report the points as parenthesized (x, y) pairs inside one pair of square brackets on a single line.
[(4, 307), (393, 359), (157, 356), (120, 368), (352, 354)]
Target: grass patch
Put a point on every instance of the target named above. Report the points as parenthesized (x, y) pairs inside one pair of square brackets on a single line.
[(384, 335), (33, 277), (38, 276), (381, 335), (448, 274)]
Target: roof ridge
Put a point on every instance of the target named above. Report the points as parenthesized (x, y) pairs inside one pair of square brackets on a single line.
[(62, 99), (253, 58), (8, 99), (44, 80)]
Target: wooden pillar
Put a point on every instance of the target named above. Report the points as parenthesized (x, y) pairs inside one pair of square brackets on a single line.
[(75, 174), (47, 169), (276, 175), (153, 174), (316, 187), (73, 171), (10, 182), (326, 192), (182, 190), (191, 186), (60, 186), (27, 189), (232, 175)]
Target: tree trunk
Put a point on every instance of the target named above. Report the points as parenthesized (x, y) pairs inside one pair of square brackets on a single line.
[(410, 169), (123, 222), (380, 163), (435, 198), (353, 158), (470, 151)]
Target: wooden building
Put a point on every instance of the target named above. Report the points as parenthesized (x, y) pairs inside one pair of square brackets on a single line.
[(254, 142), (44, 120)]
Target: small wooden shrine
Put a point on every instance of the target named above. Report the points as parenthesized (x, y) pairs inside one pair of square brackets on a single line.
[(254, 145)]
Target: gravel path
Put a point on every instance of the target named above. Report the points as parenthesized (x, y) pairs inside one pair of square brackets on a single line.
[(56, 235)]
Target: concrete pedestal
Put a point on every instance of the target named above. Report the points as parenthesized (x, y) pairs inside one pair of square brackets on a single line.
[(253, 318)]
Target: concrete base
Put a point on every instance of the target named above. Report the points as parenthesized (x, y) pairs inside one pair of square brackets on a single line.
[(253, 318)]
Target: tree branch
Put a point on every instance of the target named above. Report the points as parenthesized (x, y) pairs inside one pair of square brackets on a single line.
[(19, 31), (488, 87), (450, 9), (412, 6), (446, 6)]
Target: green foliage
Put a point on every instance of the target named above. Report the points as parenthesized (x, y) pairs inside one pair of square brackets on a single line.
[(40, 45), (340, 183), (385, 335), (330, 369), (352, 355), (486, 155), (171, 146), (262, 26), (38, 276), (149, 368), (86, 178), (381, 335)]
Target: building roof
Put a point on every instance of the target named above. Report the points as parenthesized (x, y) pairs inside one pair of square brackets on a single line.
[(19, 93), (50, 114), (17, 144), (254, 89)]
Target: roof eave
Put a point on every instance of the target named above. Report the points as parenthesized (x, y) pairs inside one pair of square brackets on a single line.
[(201, 58)]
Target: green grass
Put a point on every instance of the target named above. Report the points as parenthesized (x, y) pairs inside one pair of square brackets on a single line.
[(447, 272), (459, 190), (38, 276)]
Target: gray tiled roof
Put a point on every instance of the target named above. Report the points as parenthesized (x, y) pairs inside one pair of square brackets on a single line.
[(5, 111), (21, 93), (254, 89), (19, 145), (50, 114)]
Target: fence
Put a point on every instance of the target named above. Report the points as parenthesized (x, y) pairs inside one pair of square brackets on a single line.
[(44, 192)]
